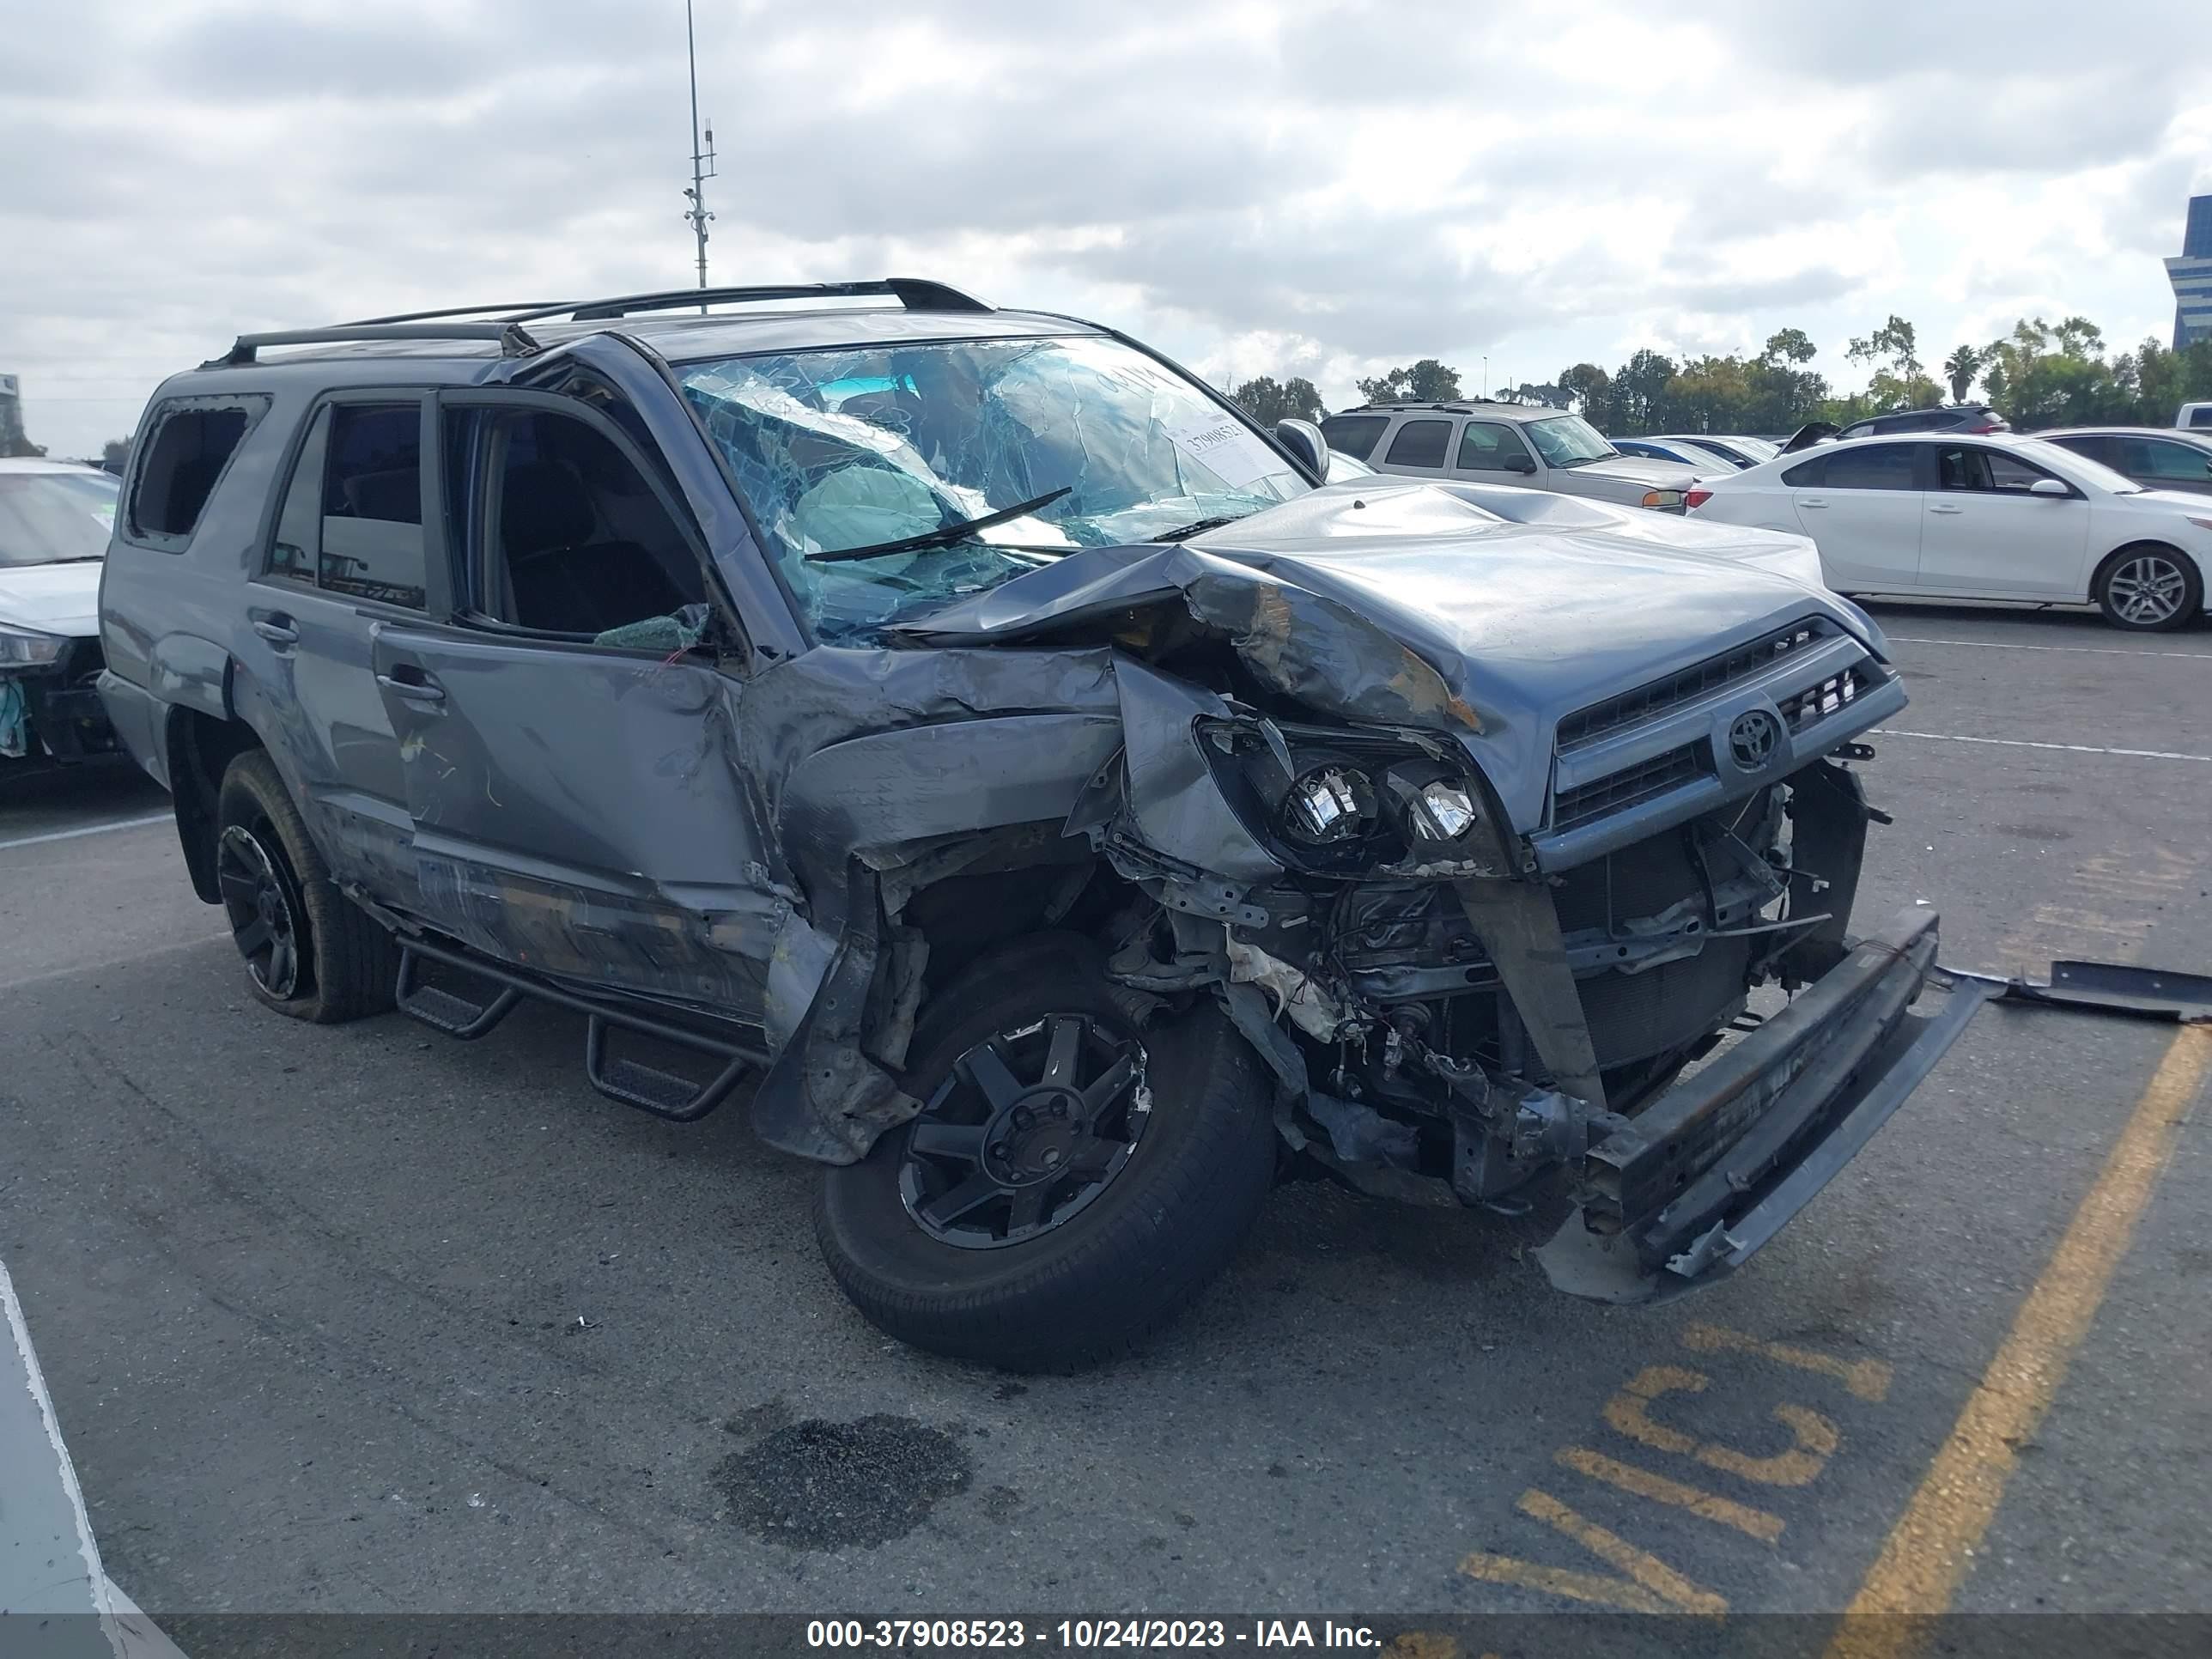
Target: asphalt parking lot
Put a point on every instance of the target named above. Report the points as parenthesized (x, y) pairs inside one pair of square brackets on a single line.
[(359, 1319)]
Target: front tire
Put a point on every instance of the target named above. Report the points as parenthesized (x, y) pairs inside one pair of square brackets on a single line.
[(2149, 588), (1073, 1181), (310, 953)]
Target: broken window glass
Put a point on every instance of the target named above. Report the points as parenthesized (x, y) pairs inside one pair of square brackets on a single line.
[(850, 447)]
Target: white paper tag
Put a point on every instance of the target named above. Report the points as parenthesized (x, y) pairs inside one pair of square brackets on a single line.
[(1226, 449)]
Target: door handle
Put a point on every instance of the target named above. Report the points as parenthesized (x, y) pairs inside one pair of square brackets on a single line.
[(1811, 501), (1945, 506), (276, 628), (419, 689)]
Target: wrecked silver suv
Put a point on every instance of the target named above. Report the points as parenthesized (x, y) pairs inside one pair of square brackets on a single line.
[(1067, 812)]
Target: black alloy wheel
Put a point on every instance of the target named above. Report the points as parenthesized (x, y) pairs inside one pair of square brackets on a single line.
[(1029, 1129), (263, 903)]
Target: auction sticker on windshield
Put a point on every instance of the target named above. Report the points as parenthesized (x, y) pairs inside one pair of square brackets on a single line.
[(1226, 449)]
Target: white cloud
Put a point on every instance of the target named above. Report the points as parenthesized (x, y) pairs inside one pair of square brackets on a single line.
[(1296, 188)]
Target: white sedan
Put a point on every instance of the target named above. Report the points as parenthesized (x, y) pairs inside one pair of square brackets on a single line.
[(1944, 515)]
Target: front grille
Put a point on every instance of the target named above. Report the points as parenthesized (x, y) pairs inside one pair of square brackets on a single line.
[(1802, 709), (1602, 720), (1619, 791)]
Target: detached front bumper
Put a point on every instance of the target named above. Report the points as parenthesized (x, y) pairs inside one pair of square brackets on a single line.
[(1718, 1165)]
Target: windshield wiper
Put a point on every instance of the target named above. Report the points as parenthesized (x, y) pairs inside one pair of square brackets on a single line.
[(944, 536), (1201, 527)]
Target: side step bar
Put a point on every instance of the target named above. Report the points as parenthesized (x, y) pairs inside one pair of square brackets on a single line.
[(649, 1089)]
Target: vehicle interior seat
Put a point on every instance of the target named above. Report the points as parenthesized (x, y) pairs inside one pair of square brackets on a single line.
[(565, 576)]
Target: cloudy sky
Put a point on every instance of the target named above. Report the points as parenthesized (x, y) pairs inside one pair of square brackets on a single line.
[(1296, 186)]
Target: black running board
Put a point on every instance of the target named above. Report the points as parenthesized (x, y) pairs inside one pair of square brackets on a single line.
[(663, 1094)]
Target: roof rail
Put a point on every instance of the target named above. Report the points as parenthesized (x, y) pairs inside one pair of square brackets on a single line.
[(513, 341), (914, 293), (516, 306)]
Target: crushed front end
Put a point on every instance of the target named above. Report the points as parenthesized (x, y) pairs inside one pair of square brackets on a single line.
[(1552, 1022)]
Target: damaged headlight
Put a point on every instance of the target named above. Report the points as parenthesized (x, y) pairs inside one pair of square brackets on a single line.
[(23, 648), (1329, 805), (1334, 800)]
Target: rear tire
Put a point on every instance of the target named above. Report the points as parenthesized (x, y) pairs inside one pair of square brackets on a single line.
[(1086, 1272), (2149, 588), (310, 952)]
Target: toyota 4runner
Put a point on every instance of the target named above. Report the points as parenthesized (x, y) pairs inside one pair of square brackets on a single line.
[(1063, 810)]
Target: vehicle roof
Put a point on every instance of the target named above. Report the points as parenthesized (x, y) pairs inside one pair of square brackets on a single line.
[(1459, 406), (681, 337), (2199, 436)]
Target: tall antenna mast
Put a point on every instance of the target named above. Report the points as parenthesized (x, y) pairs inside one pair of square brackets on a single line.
[(702, 155)]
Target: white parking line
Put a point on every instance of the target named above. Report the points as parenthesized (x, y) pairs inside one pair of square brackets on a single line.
[(87, 830), (2083, 650), (2023, 742)]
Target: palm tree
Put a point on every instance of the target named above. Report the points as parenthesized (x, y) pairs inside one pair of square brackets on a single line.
[(1960, 368)]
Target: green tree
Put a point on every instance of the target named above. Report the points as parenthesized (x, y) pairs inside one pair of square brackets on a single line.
[(1589, 393), (1959, 369), (1708, 395), (1267, 401), (1639, 391), (1787, 345), (2042, 374), (1427, 381), (1901, 382)]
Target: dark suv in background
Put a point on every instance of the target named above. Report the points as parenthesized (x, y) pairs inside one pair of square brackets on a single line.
[(1068, 809), (1954, 417)]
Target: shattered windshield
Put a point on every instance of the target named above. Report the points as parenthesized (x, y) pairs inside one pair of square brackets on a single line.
[(855, 447), (1568, 441)]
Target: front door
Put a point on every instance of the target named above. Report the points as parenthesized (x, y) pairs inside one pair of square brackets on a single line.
[(1986, 534), (565, 742)]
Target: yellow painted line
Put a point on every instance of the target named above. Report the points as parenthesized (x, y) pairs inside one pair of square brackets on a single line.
[(1868, 1379), (1930, 1550), (1709, 1506), (1649, 1586)]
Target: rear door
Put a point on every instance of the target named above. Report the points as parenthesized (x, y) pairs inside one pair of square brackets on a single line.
[(1419, 448), (347, 554), (1985, 534), (1861, 501), (566, 741)]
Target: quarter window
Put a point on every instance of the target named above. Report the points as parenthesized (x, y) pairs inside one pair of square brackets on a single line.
[(192, 443), (1420, 443)]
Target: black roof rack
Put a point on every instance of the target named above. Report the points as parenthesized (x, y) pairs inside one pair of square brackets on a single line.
[(513, 341), (914, 293), (504, 322)]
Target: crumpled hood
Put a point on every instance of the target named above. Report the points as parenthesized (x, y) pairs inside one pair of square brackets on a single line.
[(51, 598), (1517, 625)]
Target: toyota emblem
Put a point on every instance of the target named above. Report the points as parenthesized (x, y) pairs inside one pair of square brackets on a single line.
[(1752, 739)]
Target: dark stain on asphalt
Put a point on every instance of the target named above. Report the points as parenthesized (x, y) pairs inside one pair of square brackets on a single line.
[(2034, 832), (816, 1485)]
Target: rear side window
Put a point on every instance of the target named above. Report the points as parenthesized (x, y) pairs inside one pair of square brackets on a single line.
[(352, 519), (1420, 443), (1870, 467), (2201, 416), (190, 442), (1354, 435), (2097, 448)]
